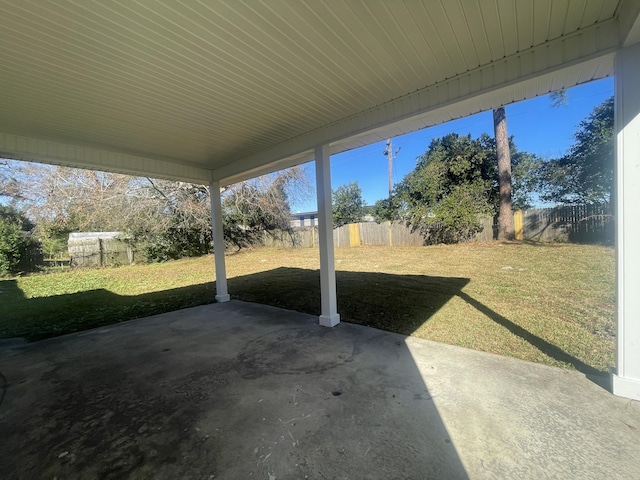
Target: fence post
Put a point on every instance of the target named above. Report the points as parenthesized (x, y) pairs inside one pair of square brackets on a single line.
[(518, 225), (354, 234)]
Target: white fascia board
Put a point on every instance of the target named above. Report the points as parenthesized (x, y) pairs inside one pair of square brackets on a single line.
[(37, 150), (572, 50), (584, 72)]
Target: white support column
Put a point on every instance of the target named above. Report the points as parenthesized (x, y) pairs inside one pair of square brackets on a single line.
[(222, 294), (626, 378), (329, 317)]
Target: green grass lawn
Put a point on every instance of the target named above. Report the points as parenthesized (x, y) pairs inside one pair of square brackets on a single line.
[(551, 303)]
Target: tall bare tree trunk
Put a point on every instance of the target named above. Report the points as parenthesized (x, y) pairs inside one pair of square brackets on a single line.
[(505, 217)]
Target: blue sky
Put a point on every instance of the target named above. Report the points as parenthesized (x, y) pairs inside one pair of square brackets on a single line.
[(536, 125)]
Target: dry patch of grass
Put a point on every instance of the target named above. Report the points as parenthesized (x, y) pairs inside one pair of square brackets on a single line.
[(551, 304)]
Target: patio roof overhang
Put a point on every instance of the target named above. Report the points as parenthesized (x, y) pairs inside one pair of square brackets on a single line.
[(220, 91), (197, 91)]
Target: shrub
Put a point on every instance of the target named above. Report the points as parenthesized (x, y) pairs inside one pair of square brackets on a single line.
[(12, 244)]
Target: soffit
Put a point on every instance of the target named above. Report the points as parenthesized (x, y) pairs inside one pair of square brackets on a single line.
[(188, 89)]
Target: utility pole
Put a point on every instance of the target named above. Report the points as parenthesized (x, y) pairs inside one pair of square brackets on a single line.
[(389, 154)]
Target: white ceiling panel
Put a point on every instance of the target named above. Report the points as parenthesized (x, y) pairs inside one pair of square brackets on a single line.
[(229, 88)]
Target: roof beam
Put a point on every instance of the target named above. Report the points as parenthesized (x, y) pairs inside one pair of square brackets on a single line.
[(31, 149)]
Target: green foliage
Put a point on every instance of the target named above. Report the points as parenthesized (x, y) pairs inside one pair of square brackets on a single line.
[(13, 241), (524, 178), (174, 243), (460, 213), (455, 186), (180, 225), (585, 175), (452, 188), (53, 240), (348, 205), (384, 210), (10, 245)]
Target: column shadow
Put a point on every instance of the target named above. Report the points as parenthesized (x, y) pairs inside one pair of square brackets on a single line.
[(400, 303)]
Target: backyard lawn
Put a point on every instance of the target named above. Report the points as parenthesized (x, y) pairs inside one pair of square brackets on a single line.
[(547, 303)]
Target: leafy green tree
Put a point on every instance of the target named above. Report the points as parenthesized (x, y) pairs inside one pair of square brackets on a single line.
[(385, 210), (13, 241), (524, 178), (348, 205), (53, 241), (586, 174), (177, 222), (453, 186)]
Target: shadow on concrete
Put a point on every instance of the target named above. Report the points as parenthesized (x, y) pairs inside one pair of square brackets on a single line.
[(224, 391), (241, 390), (400, 303)]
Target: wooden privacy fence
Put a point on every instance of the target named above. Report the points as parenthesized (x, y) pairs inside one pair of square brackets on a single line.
[(98, 249), (376, 234), (579, 224), (576, 223), (357, 234)]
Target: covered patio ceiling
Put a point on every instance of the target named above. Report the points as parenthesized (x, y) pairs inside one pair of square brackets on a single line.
[(220, 91), (227, 90)]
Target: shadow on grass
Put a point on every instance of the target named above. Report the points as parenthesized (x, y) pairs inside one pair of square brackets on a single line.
[(339, 394), (541, 344), (44, 317), (397, 303)]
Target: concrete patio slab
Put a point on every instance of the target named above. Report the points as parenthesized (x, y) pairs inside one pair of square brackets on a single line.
[(241, 391)]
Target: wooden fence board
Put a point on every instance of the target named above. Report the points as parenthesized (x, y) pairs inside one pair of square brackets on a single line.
[(580, 224), (95, 251)]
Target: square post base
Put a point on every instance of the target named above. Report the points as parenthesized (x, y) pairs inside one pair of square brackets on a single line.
[(329, 320), (223, 298), (625, 387)]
